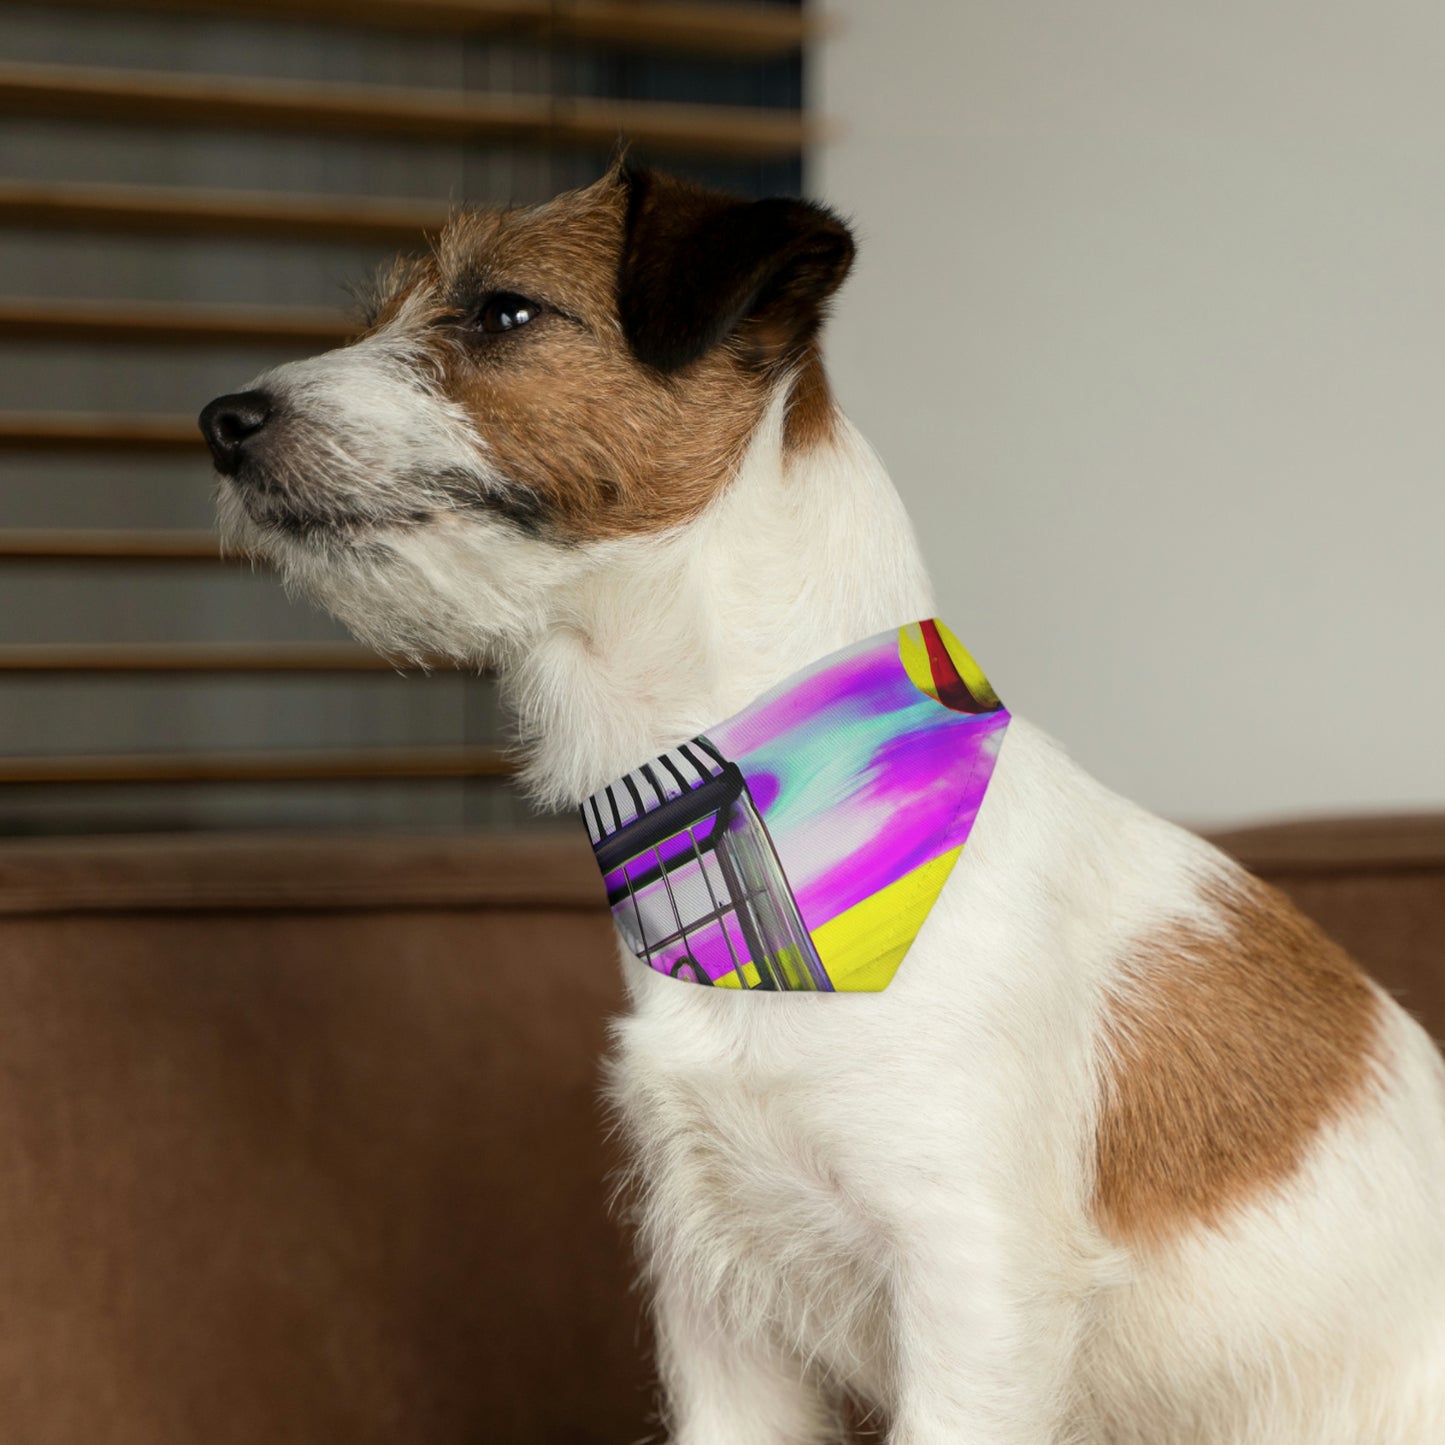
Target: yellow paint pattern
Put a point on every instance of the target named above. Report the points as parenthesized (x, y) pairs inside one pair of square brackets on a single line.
[(862, 947), (913, 653)]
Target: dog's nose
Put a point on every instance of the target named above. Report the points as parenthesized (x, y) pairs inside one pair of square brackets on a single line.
[(229, 422)]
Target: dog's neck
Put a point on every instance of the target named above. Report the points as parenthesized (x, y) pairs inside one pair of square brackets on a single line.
[(804, 553)]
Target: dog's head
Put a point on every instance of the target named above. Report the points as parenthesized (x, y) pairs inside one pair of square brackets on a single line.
[(548, 381)]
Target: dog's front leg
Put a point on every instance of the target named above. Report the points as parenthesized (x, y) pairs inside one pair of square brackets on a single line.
[(985, 1344), (725, 1387)]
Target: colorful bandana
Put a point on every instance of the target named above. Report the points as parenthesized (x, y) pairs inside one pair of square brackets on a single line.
[(800, 844)]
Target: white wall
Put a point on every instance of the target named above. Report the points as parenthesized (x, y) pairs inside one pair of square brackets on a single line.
[(1149, 324)]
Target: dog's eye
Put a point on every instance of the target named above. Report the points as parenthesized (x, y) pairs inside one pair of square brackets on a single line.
[(506, 311)]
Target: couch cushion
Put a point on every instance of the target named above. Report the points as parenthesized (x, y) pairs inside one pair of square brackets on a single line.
[(300, 1141)]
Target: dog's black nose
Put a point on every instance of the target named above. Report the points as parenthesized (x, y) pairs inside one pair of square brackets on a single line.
[(229, 422)]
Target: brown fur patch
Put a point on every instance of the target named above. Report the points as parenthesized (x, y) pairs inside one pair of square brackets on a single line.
[(1229, 1051), (812, 413), (595, 442)]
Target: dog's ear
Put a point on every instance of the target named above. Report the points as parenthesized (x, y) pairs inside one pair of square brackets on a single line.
[(699, 267)]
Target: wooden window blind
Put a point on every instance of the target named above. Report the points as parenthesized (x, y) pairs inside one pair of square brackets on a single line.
[(187, 190)]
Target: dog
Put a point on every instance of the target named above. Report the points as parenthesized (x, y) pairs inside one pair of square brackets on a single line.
[(1127, 1153)]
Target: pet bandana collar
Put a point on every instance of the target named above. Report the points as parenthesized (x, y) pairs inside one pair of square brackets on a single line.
[(800, 844)]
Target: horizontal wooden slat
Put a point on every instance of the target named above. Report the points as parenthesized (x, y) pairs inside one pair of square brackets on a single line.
[(266, 872), (107, 546), (173, 211), (359, 764), (170, 324), (215, 101), (94, 431), (179, 657), (704, 29)]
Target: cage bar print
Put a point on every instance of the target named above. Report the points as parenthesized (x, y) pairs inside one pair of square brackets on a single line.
[(683, 847)]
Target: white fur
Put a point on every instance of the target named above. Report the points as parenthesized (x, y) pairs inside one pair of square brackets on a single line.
[(890, 1194)]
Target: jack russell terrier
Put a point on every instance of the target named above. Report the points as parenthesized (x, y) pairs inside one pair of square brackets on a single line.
[(1095, 1140)]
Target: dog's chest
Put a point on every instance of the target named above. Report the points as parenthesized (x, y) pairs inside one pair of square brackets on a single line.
[(748, 1186)]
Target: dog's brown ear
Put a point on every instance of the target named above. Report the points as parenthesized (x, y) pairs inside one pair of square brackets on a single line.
[(699, 267)]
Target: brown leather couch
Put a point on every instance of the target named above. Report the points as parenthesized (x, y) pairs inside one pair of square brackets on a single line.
[(300, 1141)]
